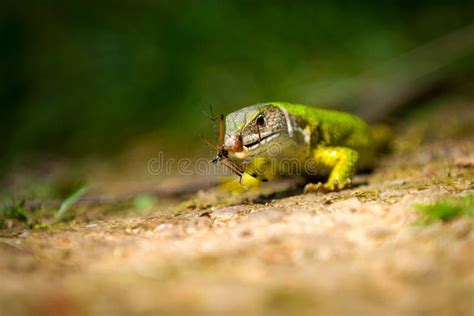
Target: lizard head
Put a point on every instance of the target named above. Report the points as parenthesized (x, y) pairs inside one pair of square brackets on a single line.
[(256, 127)]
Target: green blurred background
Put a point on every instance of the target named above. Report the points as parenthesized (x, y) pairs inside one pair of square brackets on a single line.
[(85, 77)]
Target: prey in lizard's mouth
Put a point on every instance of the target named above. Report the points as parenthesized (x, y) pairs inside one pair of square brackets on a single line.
[(245, 135)]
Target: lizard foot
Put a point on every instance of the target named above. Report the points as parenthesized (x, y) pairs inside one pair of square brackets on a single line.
[(317, 187), (336, 186), (326, 187), (313, 187)]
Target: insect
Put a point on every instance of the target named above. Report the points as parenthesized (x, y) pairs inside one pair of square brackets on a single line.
[(223, 151)]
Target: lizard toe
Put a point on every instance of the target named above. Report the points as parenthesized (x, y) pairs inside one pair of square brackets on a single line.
[(313, 187)]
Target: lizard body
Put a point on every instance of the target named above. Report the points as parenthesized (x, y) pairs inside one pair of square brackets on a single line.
[(278, 138)]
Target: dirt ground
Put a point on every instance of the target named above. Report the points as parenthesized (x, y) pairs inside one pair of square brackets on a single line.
[(361, 251)]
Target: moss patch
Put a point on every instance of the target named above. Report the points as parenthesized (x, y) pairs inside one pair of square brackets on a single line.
[(447, 209)]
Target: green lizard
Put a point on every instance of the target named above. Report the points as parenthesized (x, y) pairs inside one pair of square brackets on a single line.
[(273, 139)]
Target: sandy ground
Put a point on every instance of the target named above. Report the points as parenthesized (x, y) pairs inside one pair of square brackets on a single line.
[(361, 251)]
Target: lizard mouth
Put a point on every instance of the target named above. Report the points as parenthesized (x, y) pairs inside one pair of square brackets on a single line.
[(261, 141)]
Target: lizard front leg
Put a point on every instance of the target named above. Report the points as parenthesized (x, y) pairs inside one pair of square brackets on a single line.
[(256, 171), (339, 162)]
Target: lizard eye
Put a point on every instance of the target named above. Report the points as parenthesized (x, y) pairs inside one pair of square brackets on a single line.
[(261, 121)]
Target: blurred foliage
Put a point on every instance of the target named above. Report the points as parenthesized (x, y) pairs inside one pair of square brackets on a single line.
[(447, 210), (64, 214), (84, 76), (14, 210)]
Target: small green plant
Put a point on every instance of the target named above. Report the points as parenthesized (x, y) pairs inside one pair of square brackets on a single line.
[(144, 201), (63, 213), (15, 209), (446, 210)]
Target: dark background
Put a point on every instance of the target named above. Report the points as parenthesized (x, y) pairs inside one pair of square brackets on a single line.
[(85, 77)]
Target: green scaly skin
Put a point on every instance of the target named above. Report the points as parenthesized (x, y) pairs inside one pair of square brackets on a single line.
[(324, 143)]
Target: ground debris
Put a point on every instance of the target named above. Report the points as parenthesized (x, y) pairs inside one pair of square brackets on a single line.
[(274, 251)]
